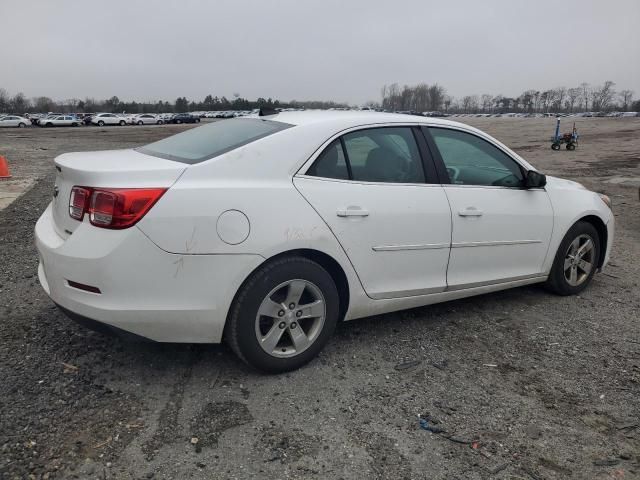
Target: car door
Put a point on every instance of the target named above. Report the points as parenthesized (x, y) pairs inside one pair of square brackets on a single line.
[(501, 231), (10, 121), (377, 191)]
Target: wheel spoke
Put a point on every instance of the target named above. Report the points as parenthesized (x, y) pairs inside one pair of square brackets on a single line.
[(574, 246), (269, 308), (271, 339), (312, 310), (567, 263), (586, 248), (296, 288), (573, 275), (585, 266), (299, 338)]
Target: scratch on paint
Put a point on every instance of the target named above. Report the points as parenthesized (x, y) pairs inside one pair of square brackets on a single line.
[(179, 266), (191, 243)]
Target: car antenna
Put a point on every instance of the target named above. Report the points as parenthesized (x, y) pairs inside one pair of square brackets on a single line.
[(267, 111)]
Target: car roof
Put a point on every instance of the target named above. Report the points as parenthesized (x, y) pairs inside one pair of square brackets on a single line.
[(353, 117)]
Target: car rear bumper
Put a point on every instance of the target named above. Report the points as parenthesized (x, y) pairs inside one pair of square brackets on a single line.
[(144, 290)]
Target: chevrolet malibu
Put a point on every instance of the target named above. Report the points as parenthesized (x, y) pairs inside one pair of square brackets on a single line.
[(266, 231)]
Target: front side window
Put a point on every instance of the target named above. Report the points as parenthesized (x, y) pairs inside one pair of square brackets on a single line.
[(471, 160), (202, 143), (386, 154)]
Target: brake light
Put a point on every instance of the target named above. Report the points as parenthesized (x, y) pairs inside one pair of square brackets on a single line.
[(78, 202), (114, 208)]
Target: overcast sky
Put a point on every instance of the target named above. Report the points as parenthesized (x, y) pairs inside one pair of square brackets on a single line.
[(342, 50)]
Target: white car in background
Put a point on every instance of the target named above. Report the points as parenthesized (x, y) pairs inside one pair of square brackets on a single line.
[(147, 119), (59, 121), (102, 119), (267, 231), (14, 121)]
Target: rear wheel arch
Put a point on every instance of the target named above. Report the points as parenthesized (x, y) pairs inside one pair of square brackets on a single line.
[(326, 261)]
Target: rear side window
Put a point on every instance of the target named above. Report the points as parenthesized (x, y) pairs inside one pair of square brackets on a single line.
[(387, 154), (202, 143), (331, 163)]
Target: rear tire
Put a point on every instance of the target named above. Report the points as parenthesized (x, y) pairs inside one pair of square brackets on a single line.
[(101, 123), (571, 146), (290, 332), (555, 146), (576, 260), (122, 123)]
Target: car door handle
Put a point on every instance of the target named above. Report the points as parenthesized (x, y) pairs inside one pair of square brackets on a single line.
[(470, 212), (352, 212)]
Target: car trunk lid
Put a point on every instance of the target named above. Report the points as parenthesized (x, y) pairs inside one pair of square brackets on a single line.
[(106, 169)]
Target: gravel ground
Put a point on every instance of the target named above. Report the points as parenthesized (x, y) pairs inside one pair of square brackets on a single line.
[(519, 384)]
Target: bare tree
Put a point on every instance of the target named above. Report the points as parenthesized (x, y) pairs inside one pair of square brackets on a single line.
[(573, 94), (585, 92), (4, 100), (486, 101), (601, 96), (19, 103), (626, 96), (560, 94)]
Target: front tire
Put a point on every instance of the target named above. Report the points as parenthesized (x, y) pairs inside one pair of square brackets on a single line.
[(122, 123), (21, 125), (576, 260), (283, 315), (101, 123)]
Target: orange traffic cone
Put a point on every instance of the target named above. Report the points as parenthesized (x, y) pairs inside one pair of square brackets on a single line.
[(4, 168)]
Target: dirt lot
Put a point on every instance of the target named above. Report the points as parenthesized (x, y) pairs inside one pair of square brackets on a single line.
[(562, 401)]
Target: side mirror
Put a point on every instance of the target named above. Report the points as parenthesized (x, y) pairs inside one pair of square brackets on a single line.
[(535, 180)]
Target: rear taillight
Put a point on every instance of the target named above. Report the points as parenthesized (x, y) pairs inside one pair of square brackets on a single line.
[(114, 208), (78, 202)]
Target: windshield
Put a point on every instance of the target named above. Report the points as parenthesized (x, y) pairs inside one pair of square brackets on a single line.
[(202, 143)]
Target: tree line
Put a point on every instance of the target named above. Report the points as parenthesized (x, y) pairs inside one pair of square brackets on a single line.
[(585, 98), (418, 98), (20, 104)]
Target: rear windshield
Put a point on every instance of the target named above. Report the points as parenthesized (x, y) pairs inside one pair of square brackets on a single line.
[(202, 143)]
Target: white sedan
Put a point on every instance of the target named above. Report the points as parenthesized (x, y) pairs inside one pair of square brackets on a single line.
[(147, 119), (14, 121), (102, 119), (266, 231), (59, 121)]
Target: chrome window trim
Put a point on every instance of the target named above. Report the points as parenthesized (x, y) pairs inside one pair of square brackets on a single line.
[(362, 182)]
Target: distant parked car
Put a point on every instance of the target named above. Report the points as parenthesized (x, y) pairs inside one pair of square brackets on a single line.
[(147, 119), (43, 118), (102, 119), (59, 121), (184, 118), (629, 114), (14, 121)]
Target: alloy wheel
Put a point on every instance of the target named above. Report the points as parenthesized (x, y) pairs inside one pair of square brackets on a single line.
[(290, 318), (579, 260)]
